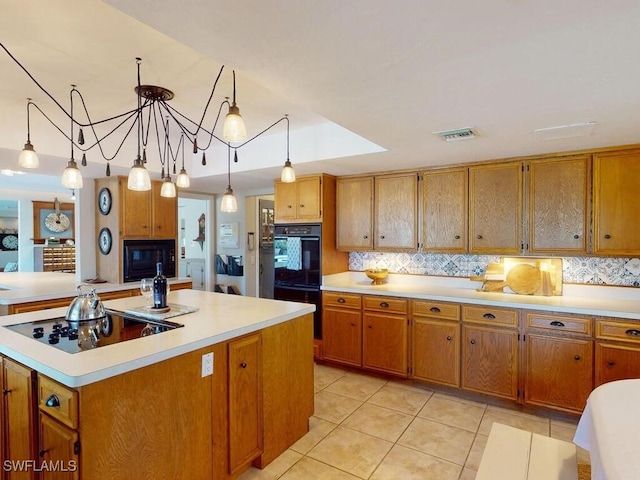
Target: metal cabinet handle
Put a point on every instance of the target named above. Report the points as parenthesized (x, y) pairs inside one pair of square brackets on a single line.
[(353, 324), (434, 310), (52, 401), (556, 323), (576, 236), (369, 326), (301, 205), (448, 338), (5, 391), (489, 316), (472, 342), (365, 236), (607, 236), (243, 364), (341, 300), (382, 236), (479, 237), (384, 304), (633, 332), (288, 206), (576, 357), (611, 363), (457, 237)]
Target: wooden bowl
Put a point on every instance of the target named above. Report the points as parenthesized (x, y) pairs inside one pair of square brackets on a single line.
[(377, 275)]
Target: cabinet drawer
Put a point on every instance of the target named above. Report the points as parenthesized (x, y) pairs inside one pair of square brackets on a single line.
[(618, 330), (559, 323), (445, 311), (346, 300), (384, 304), (63, 401), (490, 315)]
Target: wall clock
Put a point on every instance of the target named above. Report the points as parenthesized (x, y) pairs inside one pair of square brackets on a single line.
[(104, 241), (104, 201), (10, 242), (56, 222)]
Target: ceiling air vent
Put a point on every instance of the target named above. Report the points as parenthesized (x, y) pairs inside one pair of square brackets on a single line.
[(457, 134)]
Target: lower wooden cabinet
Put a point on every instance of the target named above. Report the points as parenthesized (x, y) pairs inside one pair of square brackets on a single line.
[(59, 449), (617, 350), (342, 328), (384, 343)]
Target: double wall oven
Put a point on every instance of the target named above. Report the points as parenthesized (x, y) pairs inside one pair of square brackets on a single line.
[(297, 260)]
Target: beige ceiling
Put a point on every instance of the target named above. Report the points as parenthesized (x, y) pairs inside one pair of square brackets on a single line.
[(354, 76)]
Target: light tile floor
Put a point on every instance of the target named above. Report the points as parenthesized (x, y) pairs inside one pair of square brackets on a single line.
[(368, 428)]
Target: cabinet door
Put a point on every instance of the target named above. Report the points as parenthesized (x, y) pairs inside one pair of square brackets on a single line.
[(445, 196), (245, 386), (436, 351), (164, 215), (58, 446), (559, 372), (135, 211), (284, 202), (490, 361), (396, 212), (495, 209), (559, 205), (309, 197), (384, 343), (616, 362), (20, 417), (354, 213), (342, 335), (616, 195)]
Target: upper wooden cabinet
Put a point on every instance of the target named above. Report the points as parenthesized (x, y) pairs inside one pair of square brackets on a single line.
[(147, 214), (445, 210), (304, 200), (559, 205), (616, 195), (495, 210), (378, 213)]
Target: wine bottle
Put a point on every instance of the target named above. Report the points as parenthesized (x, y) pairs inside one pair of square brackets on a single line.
[(159, 288)]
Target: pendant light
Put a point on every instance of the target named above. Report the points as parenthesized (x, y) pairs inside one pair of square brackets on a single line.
[(71, 177), (229, 203), (233, 129), (28, 157), (138, 175), (287, 175), (183, 179), (168, 188)]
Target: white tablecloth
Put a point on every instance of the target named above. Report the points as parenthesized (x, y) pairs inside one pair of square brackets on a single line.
[(609, 429)]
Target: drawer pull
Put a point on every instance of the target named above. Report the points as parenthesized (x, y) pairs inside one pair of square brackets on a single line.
[(243, 364), (633, 332), (457, 237), (369, 326), (365, 236), (52, 401), (576, 236), (341, 300), (353, 324), (434, 310), (556, 323), (448, 338), (607, 236), (472, 342), (384, 304), (576, 357), (489, 316), (479, 237), (611, 363), (382, 237)]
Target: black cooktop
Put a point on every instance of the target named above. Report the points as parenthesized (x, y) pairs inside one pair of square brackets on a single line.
[(117, 328)]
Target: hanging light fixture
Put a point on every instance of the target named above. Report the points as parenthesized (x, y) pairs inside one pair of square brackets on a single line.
[(168, 188), (28, 157), (183, 179), (287, 175), (138, 175), (71, 177), (234, 129), (229, 203), (73, 195)]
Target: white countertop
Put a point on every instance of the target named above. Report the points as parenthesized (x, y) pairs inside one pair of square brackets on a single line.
[(608, 301), (220, 317)]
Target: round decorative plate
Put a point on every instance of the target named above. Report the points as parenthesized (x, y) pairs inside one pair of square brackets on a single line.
[(56, 222), (104, 201), (10, 242), (104, 241)]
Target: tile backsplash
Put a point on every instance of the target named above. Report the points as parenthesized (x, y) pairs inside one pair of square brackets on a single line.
[(581, 270)]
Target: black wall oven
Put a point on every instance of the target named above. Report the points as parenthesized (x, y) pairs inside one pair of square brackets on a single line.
[(297, 261), (141, 256)]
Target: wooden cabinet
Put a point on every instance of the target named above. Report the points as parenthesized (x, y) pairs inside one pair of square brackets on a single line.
[(19, 418), (617, 355), (392, 223), (245, 406), (435, 342), (300, 201), (559, 203), (384, 334), (616, 194), (342, 328), (61, 258), (58, 446), (490, 351), (495, 208), (445, 210), (146, 214)]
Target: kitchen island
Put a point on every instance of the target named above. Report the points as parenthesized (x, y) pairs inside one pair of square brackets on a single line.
[(149, 408)]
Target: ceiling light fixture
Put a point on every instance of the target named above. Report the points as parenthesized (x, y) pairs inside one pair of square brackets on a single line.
[(234, 129), (229, 203), (287, 175), (183, 179), (457, 134), (71, 176), (138, 178), (28, 157)]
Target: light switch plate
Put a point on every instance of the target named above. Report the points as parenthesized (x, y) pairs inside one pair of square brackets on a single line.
[(207, 364)]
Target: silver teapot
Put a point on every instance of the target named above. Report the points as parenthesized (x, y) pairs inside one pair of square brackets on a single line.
[(87, 315)]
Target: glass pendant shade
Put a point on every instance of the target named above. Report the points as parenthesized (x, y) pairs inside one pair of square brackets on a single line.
[(28, 157), (138, 177), (288, 175), (234, 129), (168, 188), (183, 179), (229, 202), (71, 177)]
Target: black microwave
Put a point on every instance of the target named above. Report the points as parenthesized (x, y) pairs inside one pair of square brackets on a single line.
[(141, 256)]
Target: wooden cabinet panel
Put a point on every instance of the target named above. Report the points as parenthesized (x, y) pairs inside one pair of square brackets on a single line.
[(616, 195), (495, 211), (342, 300), (396, 212), (59, 446), (436, 351), (135, 211), (301, 200), (285, 201), (309, 198), (490, 361), (440, 310), (559, 323), (384, 304), (384, 342), (616, 362), (559, 372), (445, 210), (354, 219), (559, 205), (164, 214), (490, 315), (65, 406), (342, 335)]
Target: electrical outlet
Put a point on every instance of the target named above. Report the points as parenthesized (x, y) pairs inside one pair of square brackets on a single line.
[(207, 364)]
